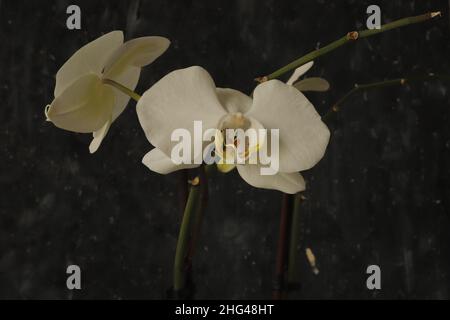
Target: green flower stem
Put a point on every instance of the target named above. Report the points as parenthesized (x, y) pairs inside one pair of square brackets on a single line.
[(294, 245), (189, 232), (198, 216), (184, 236), (133, 95), (182, 189), (349, 37), (380, 84)]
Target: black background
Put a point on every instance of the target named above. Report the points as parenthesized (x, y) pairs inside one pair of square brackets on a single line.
[(379, 196)]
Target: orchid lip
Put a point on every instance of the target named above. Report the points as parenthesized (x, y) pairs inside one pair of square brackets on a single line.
[(232, 144)]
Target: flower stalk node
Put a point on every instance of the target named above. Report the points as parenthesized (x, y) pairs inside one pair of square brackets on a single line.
[(194, 182), (261, 79), (435, 14), (349, 37), (353, 35)]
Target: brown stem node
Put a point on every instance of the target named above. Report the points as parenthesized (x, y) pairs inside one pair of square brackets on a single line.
[(353, 35), (261, 79), (194, 182), (435, 14)]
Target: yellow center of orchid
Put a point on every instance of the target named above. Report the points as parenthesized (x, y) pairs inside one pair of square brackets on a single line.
[(233, 143)]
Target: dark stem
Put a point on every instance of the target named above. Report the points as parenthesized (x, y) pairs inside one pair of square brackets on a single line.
[(295, 244), (281, 262), (380, 84)]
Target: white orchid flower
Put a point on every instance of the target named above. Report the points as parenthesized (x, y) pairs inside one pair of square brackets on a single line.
[(84, 101), (308, 84), (188, 95)]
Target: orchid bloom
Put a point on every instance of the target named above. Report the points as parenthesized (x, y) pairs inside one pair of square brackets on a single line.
[(84, 101), (188, 95)]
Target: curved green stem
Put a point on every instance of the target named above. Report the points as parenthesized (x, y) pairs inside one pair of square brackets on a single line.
[(190, 231), (182, 249), (133, 95), (349, 37), (201, 207), (380, 84)]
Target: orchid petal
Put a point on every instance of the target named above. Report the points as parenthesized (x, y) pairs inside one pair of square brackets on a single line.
[(138, 52), (175, 102), (129, 78), (303, 135), (99, 135), (233, 100), (285, 182), (85, 106), (88, 59), (157, 161)]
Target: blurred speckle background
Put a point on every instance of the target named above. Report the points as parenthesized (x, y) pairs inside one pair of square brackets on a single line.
[(380, 195)]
